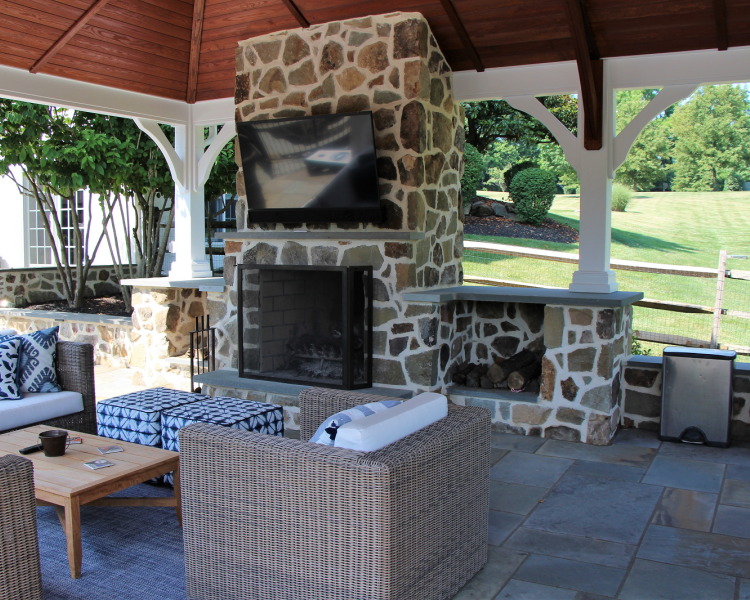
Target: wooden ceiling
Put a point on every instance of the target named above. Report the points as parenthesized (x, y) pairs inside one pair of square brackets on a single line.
[(184, 49)]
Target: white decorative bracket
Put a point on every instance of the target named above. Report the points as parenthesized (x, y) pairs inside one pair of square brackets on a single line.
[(216, 143), (624, 141), (568, 142), (174, 162)]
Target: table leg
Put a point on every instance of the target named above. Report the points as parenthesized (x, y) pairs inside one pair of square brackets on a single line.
[(73, 536), (177, 494)]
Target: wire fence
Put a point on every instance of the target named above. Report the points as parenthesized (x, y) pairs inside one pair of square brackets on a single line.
[(683, 305)]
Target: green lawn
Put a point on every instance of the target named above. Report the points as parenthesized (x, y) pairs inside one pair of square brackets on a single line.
[(673, 228)]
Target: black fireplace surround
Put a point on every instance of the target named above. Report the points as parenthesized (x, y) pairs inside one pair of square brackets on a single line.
[(306, 324)]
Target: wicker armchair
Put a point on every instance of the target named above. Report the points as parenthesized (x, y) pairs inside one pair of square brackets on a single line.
[(20, 572), (75, 373), (273, 518)]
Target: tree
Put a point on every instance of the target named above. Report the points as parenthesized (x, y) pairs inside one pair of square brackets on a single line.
[(492, 120), (712, 137), (646, 165), (501, 155), (552, 158), (58, 160)]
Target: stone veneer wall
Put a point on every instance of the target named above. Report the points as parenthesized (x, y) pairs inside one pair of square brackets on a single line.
[(642, 388), (36, 285), (111, 340), (162, 322), (391, 65), (580, 394)]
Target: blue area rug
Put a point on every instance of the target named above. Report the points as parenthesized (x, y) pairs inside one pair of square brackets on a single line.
[(129, 553)]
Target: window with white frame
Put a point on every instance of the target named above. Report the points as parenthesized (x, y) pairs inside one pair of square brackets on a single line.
[(40, 246), (67, 224)]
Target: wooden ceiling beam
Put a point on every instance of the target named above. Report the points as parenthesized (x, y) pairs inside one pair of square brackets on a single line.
[(195, 50), (458, 25), (722, 36), (296, 13), (590, 73), (68, 35)]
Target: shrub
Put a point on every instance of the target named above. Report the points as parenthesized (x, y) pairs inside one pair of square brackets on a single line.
[(637, 349), (473, 173), (515, 170), (571, 190), (621, 195), (532, 192), (733, 183)]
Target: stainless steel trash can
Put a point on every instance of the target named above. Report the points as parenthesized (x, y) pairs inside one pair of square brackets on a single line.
[(696, 397)]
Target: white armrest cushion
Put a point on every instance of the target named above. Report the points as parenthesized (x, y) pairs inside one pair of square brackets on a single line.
[(383, 428)]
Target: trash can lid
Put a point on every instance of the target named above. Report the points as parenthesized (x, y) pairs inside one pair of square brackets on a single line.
[(700, 353)]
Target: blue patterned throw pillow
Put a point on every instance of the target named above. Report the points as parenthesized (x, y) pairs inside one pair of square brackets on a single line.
[(36, 361), (326, 432), (8, 366)]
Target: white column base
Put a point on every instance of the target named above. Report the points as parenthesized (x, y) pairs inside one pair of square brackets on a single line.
[(190, 270), (594, 282)]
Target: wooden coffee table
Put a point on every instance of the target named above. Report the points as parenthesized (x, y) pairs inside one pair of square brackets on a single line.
[(67, 484)]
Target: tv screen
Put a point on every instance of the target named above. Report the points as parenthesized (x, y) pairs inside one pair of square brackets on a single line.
[(310, 169)]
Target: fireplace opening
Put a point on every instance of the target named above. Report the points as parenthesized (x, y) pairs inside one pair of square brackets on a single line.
[(306, 325)]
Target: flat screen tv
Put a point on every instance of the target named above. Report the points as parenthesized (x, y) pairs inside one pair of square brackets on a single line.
[(310, 169)]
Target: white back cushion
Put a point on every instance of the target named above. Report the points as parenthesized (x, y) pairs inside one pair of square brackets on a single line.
[(38, 407), (8, 332), (383, 428)]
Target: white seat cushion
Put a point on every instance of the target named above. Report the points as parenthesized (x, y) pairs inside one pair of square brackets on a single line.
[(39, 407), (383, 428)]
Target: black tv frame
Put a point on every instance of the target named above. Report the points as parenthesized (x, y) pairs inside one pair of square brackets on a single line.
[(318, 215)]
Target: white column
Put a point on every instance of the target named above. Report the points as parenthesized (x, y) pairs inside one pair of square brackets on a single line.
[(189, 219), (595, 174)]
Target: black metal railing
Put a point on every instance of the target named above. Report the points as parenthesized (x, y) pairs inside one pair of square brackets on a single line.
[(202, 349)]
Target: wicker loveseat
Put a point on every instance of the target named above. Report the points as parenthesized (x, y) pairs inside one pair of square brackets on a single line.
[(273, 518), (20, 572), (75, 373)]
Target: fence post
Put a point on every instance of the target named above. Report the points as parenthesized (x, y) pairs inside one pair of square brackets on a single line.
[(719, 298)]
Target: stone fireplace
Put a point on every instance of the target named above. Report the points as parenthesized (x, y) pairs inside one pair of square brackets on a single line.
[(425, 326)]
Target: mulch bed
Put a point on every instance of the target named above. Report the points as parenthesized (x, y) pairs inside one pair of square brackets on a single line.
[(112, 306), (549, 231)]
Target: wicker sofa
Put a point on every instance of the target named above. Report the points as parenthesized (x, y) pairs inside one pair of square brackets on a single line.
[(273, 518), (75, 373), (20, 571)]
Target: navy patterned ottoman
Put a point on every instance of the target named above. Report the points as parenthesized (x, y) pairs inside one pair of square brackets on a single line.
[(246, 415), (136, 417)]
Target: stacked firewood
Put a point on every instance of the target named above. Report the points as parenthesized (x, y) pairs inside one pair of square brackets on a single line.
[(520, 372)]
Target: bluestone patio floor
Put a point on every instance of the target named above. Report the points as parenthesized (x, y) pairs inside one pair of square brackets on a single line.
[(638, 520)]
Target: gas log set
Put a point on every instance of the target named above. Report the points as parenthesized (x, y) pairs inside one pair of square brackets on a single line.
[(519, 373)]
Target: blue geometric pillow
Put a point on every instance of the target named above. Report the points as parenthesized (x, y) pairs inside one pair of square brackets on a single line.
[(8, 366), (36, 361), (326, 432)]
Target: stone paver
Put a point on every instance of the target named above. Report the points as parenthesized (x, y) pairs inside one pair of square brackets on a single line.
[(573, 547), (736, 493), (607, 470), (604, 509), (529, 469), (524, 590), (732, 520), (638, 520), (656, 580), (685, 474), (500, 566), (738, 472), (696, 549), (521, 443), (571, 574), (632, 456), (737, 454), (637, 437), (686, 509), (501, 525), (515, 498)]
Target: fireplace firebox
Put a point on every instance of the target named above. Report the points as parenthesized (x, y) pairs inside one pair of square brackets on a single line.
[(306, 325)]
